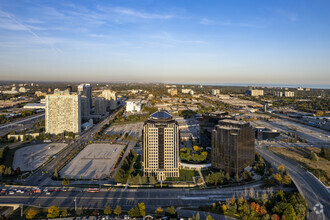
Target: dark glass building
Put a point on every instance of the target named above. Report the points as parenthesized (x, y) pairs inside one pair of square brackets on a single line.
[(207, 124), (233, 146)]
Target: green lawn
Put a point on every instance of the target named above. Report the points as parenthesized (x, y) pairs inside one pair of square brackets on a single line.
[(185, 175)]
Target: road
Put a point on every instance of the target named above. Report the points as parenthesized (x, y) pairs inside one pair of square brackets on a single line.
[(42, 176), (153, 198), (308, 186), (20, 124)]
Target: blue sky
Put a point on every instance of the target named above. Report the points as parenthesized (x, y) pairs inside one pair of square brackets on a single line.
[(168, 41)]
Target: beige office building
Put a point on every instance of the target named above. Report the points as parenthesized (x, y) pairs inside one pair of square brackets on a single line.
[(111, 98), (161, 146), (63, 113)]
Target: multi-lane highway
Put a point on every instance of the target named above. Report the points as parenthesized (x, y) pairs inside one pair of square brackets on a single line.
[(313, 191), (153, 198), (20, 124)]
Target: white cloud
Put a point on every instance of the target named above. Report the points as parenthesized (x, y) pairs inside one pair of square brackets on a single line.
[(206, 21), (134, 13)]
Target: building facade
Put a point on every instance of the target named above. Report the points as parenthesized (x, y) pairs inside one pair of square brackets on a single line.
[(233, 146), (85, 90), (207, 124), (289, 94), (161, 146), (188, 91), (111, 98), (278, 93), (255, 92), (85, 108), (172, 91), (215, 92), (63, 113), (134, 105), (100, 106)]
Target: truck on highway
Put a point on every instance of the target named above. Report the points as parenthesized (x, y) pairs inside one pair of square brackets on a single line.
[(36, 190), (93, 190)]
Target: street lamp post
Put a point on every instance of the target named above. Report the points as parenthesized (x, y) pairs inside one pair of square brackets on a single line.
[(75, 203)]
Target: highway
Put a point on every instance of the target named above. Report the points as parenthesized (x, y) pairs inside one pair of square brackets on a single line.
[(308, 186), (20, 124), (153, 198), (42, 176)]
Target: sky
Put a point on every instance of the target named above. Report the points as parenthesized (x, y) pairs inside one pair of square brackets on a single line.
[(183, 41)]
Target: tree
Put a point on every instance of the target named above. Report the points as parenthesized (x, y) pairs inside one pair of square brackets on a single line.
[(198, 217), (117, 210), (171, 210), (322, 153), (64, 213), (289, 213), (32, 212), (159, 211), (96, 212), (209, 217), (236, 178), (142, 209), (313, 156), (56, 175), (281, 168), (195, 148), (65, 182), (107, 210), (152, 180), (275, 217), (53, 212), (134, 212), (286, 180)]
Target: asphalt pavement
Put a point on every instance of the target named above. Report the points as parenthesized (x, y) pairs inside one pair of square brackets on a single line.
[(317, 197)]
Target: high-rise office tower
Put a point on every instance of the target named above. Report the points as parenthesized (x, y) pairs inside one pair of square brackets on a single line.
[(85, 108), (100, 106), (206, 125), (86, 90), (161, 146), (111, 98), (233, 146), (63, 113)]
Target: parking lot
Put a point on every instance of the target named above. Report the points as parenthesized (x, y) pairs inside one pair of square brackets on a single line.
[(31, 157), (131, 129), (94, 162)]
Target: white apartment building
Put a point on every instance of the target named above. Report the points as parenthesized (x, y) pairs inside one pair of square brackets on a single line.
[(215, 92), (278, 93), (134, 105), (289, 94), (63, 113), (188, 91)]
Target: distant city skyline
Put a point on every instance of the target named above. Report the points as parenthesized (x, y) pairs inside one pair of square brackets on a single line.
[(260, 42)]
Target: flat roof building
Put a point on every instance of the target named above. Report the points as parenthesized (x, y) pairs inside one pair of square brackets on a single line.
[(207, 123), (161, 146), (233, 146), (84, 90), (63, 113)]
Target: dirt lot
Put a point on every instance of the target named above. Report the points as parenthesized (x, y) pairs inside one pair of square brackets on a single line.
[(95, 161), (301, 155), (31, 157)]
